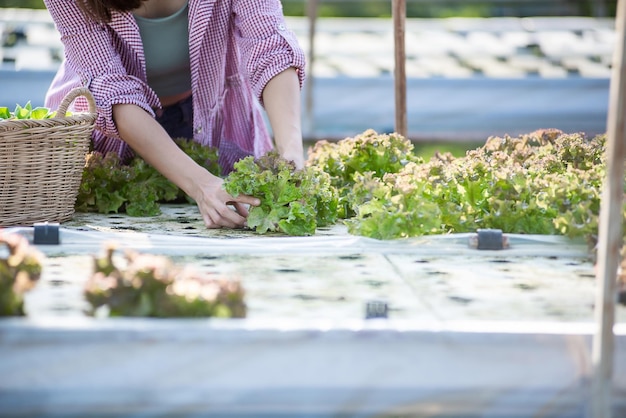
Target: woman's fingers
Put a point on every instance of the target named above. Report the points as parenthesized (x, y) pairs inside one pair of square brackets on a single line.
[(241, 208), (242, 203), (226, 218), (221, 215), (247, 200), (230, 218), (221, 210), (208, 222)]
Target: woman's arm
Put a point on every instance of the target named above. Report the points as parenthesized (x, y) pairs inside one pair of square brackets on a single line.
[(91, 60), (275, 65), (281, 97), (148, 139)]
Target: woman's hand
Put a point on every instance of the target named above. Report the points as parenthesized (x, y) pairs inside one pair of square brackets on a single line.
[(148, 139), (218, 208)]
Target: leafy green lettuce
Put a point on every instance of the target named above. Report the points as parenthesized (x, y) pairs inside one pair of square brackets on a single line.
[(294, 202), (370, 151), (541, 183), (136, 188)]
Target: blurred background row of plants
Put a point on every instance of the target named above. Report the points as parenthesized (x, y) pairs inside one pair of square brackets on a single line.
[(427, 8)]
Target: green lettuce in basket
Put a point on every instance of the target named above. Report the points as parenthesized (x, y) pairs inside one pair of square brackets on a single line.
[(26, 112)]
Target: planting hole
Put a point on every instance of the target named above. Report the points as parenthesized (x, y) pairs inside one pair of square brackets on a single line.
[(208, 257), (287, 270), (305, 297), (351, 257), (460, 299), (374, 283), (57, 283)]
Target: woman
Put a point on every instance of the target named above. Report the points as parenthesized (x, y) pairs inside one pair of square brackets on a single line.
[(162, 69)]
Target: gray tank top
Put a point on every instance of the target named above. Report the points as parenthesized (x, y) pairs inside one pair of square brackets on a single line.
[(166, 48)]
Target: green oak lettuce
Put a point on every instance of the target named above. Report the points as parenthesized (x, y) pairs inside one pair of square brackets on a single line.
[(136, 188), (546, 182), (367, 152), (294, 202)]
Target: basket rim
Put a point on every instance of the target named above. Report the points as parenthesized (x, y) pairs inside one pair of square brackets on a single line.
[(63, 120), (7, 125)]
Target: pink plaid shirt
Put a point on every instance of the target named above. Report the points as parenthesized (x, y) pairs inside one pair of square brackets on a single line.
[(236, 47)]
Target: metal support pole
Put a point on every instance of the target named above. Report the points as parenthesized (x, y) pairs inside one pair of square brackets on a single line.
[(610, 231), (309, 104), (399, 27)]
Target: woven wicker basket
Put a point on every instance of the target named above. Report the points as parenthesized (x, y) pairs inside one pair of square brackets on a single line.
[(41, 164)]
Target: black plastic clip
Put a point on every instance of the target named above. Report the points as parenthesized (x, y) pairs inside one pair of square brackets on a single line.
[(489, 239), (46, 233), (376, 309)]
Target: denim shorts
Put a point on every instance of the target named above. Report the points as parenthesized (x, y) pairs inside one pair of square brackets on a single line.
[(177, 119)]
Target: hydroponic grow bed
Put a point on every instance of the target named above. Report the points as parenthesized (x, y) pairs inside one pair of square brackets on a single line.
[(469, 332)]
